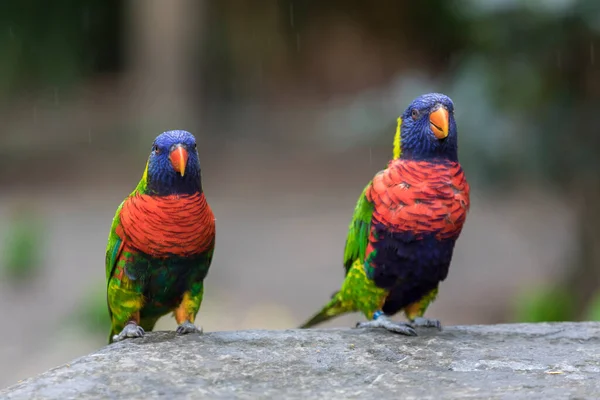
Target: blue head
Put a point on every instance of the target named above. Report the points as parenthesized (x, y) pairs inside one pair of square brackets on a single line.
[(428, 129), (174, 165)]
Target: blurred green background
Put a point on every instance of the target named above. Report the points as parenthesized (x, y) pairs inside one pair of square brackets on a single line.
[(294, 105)]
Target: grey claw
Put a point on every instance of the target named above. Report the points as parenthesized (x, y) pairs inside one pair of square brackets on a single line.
[(384, 322), (188, 327), (427, 323), (131, 330)]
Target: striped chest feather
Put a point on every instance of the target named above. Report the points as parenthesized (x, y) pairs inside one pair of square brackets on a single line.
[(420, 197), (165, 226)]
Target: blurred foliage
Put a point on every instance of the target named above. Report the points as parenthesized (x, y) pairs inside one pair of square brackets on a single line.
[(91, 314), (543, 304), (593, 313), (544, 81), (553, 303), (57, 45), (23, 247), (547, 84), (286, 34)]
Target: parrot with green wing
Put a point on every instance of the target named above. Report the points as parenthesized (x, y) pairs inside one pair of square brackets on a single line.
[(161, 243), (405, 224)]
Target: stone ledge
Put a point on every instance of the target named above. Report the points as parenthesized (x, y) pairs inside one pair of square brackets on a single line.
[(516, 361)]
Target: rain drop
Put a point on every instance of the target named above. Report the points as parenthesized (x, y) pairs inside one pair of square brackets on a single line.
[(260, 72)]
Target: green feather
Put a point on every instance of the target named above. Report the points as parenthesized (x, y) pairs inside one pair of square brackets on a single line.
[(358, 231), (142, 186), (112, 252), (358, 292), (114, 242)]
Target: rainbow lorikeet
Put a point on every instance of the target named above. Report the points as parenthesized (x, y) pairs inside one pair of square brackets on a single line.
[(161, 243), (405, 224)]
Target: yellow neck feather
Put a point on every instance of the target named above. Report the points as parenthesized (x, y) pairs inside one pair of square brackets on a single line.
[(145, 175), (141, 186), (397, 140)]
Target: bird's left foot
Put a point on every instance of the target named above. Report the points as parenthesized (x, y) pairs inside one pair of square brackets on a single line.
[(188, 327), (421, 322), (131, 330), (386, 323)]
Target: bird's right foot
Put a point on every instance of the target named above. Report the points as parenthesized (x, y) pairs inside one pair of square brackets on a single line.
[(386, 323), (131, 330), (188, 327)]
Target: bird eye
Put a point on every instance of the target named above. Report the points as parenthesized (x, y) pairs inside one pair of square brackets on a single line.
[(155, 149), (194, 145), (414, 113)]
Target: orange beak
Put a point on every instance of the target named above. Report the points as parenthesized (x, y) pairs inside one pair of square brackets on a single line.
[(439, 122), (179, 157)]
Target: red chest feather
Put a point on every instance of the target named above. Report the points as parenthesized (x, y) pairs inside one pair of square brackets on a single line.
[(171, 225), (421, 197)]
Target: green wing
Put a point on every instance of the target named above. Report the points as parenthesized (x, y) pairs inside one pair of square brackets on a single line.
[(114, 245), (113, 248), (126, 299), (358, 231)]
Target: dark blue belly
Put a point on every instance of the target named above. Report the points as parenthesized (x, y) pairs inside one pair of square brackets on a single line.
[(409, 266)]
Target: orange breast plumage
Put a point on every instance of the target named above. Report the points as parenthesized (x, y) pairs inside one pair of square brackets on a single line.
[(421, 197), (180, 225)]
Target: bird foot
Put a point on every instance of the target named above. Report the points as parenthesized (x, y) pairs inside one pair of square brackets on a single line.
[(421, 322), (188, 327), (384, 322), (131, 330)]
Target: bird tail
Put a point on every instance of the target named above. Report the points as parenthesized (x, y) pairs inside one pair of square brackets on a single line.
[(334, 308)]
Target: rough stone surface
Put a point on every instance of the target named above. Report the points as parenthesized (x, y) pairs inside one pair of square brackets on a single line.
[(518, 361)]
